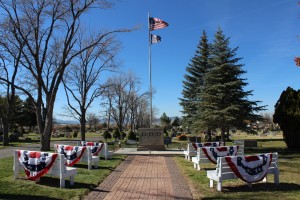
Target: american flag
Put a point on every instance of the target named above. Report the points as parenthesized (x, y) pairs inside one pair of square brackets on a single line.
[(155, 23)]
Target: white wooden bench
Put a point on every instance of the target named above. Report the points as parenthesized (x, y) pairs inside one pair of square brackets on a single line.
[(192, 151), (106, 153), (238, 142), (224, 172), (201, 157), (58, 169), (86, 157)]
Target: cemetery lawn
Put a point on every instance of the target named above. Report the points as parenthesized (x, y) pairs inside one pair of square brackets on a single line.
[(289, 177), (48, 188)]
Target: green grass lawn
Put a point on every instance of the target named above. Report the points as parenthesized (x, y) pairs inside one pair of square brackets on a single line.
[(289, 187), (48, 188)]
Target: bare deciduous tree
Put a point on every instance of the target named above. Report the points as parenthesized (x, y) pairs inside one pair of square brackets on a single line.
[(93, 120), (46, 33), (81, 82), (9, 66), (118, 96)]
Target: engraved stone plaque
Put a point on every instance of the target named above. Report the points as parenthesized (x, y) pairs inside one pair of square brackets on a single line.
[(151, 139)]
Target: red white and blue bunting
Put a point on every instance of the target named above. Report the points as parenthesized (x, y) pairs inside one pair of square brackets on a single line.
[(212, 153), (96, 147), (72, 153), (36, 164), (250, 168), (205, 144)]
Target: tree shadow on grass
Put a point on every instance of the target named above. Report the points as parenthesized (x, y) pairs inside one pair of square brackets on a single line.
[(25, 197), (54, 182), (85, 166), (242, 191), (260, 187)]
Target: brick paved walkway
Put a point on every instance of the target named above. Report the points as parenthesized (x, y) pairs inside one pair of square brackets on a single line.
[(143, 177)]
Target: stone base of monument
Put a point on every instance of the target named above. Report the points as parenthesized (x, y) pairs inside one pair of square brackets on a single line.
[(151, 148)]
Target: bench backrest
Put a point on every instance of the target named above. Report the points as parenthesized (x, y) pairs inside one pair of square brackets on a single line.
[(56, 169), (202, 156), (238, 142), (104, 150), (97, 147), (86, 155), (58, 166), (191, 146), (223, 169)]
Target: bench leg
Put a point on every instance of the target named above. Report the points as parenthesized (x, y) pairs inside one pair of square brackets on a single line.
[(71, 180), (195, 166), (219, 186), (38, 180), (211, 183), (62, 182), (198, 166), (189, 157), (16, 167), (264, 180), (276, 178)]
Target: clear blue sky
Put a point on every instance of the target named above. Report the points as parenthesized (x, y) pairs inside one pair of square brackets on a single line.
[(264, 30)]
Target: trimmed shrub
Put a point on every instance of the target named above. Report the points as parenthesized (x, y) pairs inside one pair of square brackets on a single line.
[(131, 135), (106, 135), (116, 133), (123, 135), (75, 134)]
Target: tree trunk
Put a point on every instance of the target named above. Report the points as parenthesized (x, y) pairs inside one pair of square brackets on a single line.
[(46, 134), (46, 125), (223, 136), (108, 120), (5, 133), (82, 125), (227, 134), (209, 135)]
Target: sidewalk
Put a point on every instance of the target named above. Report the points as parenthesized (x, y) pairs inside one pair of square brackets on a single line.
[(143, 177)]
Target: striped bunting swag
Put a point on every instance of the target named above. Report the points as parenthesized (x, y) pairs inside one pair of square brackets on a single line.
[(250, 168), (96, 147), (36, 164), (212, 153), (71, 153), (205, 144)]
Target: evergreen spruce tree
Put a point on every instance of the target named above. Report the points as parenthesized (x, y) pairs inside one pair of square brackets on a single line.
[(196, 70), (224, 103)]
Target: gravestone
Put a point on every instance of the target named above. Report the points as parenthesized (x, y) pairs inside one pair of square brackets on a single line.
[(250, 143), (151, 139)]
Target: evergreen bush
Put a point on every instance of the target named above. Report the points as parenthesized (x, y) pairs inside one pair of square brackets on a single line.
[(106, 135), (131, 135), (116, 133)]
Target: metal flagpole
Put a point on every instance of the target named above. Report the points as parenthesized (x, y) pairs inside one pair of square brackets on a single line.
[(150, 70)]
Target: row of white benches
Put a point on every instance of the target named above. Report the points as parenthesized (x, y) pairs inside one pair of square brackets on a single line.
[(59, 168), (223, 170)]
